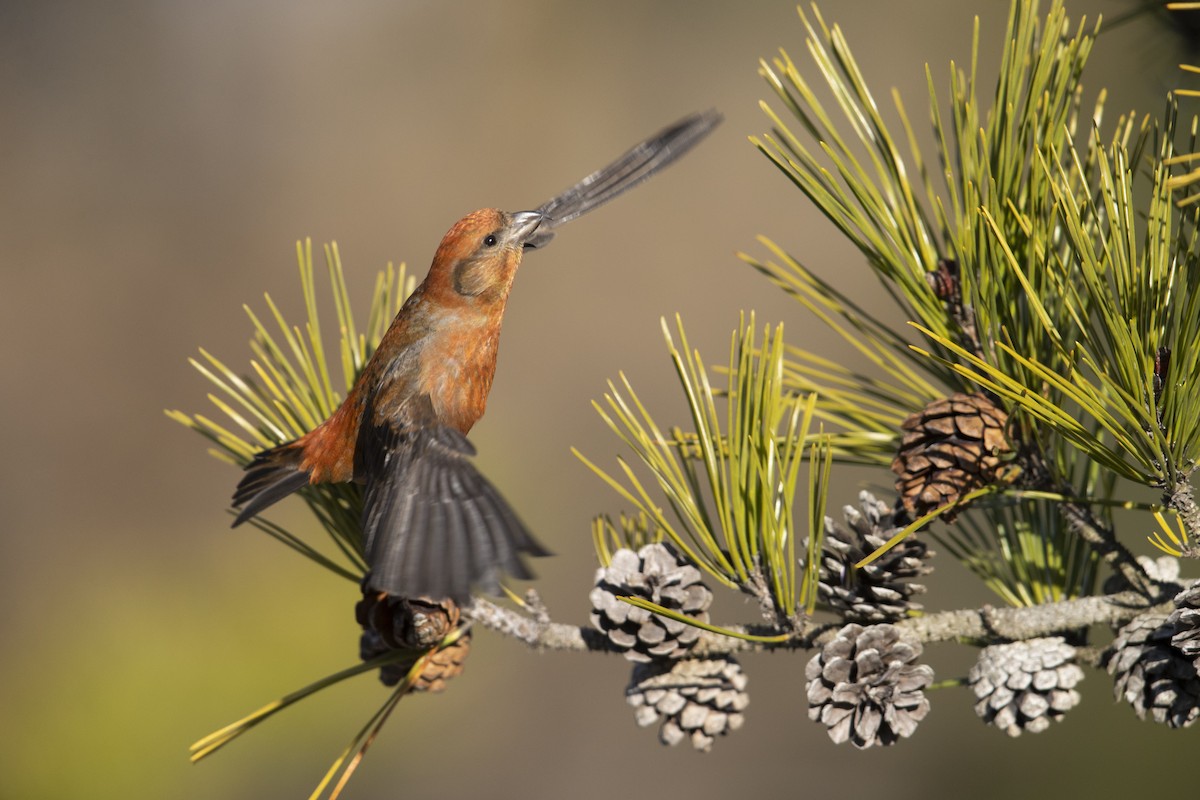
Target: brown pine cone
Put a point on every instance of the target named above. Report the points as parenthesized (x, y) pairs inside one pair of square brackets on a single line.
[(442, 665), (413, 622), (950, 448)]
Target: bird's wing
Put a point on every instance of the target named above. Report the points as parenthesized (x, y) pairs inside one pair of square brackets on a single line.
[(432, 524)]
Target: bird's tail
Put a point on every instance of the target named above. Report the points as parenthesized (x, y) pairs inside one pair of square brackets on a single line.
[(270, 477)]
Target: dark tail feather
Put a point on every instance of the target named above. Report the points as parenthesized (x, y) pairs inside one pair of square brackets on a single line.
[(270, 477)]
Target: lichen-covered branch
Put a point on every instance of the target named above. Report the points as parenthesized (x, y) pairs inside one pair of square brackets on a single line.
[(536, 631), (986, 624)]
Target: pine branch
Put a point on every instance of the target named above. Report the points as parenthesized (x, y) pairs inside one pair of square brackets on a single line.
[(986, 625), (1104, 541), (1183, 500)]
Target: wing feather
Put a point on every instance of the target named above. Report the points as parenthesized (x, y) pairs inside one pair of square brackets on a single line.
[(432, 523)]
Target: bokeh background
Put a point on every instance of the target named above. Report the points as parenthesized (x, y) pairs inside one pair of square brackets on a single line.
[(158, 160)]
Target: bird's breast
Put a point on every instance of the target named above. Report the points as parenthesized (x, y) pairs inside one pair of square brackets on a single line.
[(457, 371)]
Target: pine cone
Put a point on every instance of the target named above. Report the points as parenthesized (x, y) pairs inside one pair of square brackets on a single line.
[(656, 574), (410, 623), (694, 698), (866, 687), (880, 591), (443, 664), (1024, 686), (414, 622), (950, 448), (1185, 622), (1151, 674)]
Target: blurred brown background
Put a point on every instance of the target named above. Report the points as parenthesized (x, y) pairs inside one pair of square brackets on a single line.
[(157, 162)]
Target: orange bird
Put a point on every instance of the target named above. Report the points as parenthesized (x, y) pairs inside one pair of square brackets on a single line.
[(432, 524)]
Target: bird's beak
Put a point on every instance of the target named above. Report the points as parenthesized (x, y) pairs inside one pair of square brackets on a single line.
[(525, 229), (524, 223)]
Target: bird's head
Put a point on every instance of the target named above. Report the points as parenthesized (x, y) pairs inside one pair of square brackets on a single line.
[(479, 256)]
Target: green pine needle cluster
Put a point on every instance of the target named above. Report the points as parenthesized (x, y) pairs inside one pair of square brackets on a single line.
[(1077, 283), (730, 484), (1074, 302), (630, 532), (291, 390)]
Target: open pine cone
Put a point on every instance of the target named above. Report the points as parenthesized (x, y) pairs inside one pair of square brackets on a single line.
[(866, 686), (1024, 686), (1185, 623), (1151, 674), (694, 698), (656, 574), (882, 591)]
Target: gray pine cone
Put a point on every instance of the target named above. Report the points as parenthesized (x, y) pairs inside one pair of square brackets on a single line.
[(696, 699), (880, 591), (1185, 622), (656, 574), (1151, 674), (866, 687), (1024, 686)]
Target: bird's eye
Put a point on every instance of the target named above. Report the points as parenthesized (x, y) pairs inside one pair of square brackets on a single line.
[(490, 241)]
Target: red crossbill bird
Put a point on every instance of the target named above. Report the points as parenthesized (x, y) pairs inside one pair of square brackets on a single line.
[(432, 524)]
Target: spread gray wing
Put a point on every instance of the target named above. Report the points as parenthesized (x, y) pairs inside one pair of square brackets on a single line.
[(432, 524)]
